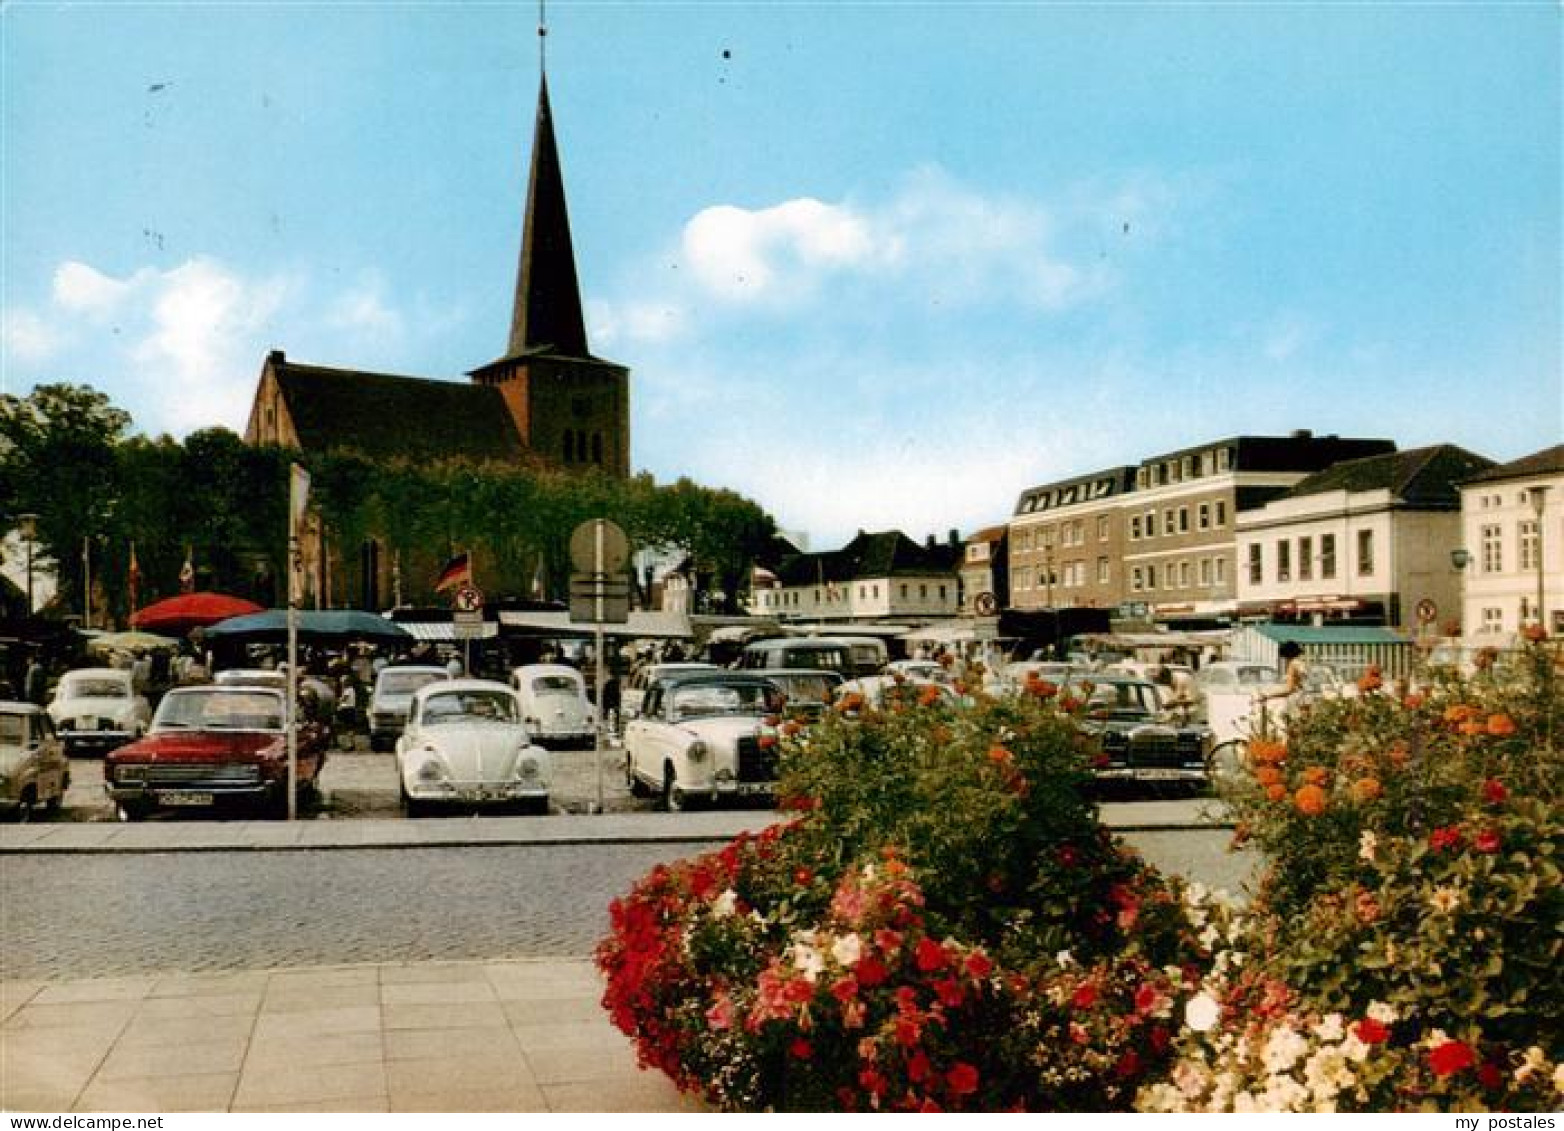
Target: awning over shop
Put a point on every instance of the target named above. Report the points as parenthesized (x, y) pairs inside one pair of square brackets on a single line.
[(444, 632), (642, 625)]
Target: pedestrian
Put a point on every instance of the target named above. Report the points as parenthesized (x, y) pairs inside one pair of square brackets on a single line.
[(35, 684), (610, 704)]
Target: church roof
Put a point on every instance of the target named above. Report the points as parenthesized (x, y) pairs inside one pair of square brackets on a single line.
[(547, 313), (385, 416)]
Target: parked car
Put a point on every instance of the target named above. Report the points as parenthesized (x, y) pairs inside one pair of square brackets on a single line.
[(554, 704), (215, 747), (465, 743), (643, 677), (391, 698), (825, 653), (1137, 739), (806, 692), (95, 710), (34, 770), (876, 690), (1014, 676), (704, 736), (920, 669)]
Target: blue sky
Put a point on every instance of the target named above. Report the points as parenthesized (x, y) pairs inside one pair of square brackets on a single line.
[(874, 266)]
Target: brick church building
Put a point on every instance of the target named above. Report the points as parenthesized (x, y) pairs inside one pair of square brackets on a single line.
[(547, 400)]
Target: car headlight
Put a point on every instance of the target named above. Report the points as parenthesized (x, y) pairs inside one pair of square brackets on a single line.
[(527, 766), (432, 772)]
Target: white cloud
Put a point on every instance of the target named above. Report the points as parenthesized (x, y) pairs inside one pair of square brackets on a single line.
[(740, 255), (86, 290), (365, 310), (25, 338)]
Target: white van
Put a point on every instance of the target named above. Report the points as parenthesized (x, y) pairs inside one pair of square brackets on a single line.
[(821, 652)]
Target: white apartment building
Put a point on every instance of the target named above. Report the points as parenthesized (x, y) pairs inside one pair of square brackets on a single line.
[(1365, 540), (1511, 550)]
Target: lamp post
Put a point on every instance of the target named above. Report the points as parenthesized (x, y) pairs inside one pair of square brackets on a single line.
[(29, 529), (1538, 495)]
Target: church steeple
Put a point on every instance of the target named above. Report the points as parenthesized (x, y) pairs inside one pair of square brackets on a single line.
[(547, 314)]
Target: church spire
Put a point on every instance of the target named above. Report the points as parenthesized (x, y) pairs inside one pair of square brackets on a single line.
[(547, 314)]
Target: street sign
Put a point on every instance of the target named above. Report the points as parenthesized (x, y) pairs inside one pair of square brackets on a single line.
[(598, 546), (467, 624), (1427, 611), (599, 588), (468, 599)]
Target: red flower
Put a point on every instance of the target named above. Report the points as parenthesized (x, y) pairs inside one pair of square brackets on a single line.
[(1491, 1076), (1371, 1032), (949, 991), (845, 989), (1494, 792), (802, 876), (871, 1081), (1145, 998), (801, 1049), (963, 1079), (1160, 1039), (931, 956), (1488, 841), (918, 1067), (1450, 1057), (1085, 996), (1128, 1065), (978, 965), (870, 971), (1447, 837)]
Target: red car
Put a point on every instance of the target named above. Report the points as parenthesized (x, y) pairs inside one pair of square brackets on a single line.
[(215, 747)]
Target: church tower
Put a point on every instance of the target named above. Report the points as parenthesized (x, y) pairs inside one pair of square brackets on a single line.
[(570, 408)]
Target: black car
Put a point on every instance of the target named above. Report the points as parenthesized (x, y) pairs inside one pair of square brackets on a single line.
[(1138, 740)]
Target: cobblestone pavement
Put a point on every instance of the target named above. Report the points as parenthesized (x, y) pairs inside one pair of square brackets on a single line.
[(94, 915)]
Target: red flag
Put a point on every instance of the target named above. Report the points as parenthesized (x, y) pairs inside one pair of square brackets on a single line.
[(456, 571)]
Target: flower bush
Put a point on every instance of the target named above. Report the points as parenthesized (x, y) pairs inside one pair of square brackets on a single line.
[(1403, 949), (946, 925)]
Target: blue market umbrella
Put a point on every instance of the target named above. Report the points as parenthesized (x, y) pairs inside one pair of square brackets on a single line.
[(316, 626)]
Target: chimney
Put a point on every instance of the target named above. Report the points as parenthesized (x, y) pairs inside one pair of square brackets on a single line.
[(955, 537)]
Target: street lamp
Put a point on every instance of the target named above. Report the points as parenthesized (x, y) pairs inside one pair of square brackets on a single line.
[(1538, 496), (29, 528), (1460, 559)]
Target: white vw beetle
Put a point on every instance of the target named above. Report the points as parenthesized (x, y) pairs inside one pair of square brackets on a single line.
[(554, 704), (465, 744)]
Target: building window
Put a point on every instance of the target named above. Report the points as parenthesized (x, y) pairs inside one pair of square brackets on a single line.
[(1306, 559), (1493, 621), (1183, 575), (1137, 580), (1183, 520), (1284, 560), (1134, 528), (1493, 549), (1167, 521), (1151, 524), (1365, 553), (1328, 556), (1224, 459), (1529, 547), (1221, 512), (1102, 528), (1151, 577), (1256, 561), (941, 592), (904, 592), (1219, 571), (1102, 571), (1203, 516)]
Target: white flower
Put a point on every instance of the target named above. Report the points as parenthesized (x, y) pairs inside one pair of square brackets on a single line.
[(1445, 900), (1558, 1077), (1065, 959), (847, 950), (1382, 1012), (1534, 1063), (1367, 843), (1329, 1027), (808, 960), (725, 904), (1282, 1049), (1201, 1012)]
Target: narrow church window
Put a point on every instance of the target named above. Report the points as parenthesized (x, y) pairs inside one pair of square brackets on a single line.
[(597, 447)]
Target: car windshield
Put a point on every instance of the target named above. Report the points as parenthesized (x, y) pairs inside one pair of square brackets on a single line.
[(96, 687), (805, 688), (707, 699), (12, 728), (405, 683), (554, 685), (469, 707), (1135, 698), (220, 708)]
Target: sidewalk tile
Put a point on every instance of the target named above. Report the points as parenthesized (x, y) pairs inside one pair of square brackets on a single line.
[(246, 1003), (642, 1092), (283, 1053), (308, 1024), (96, 989), (462, 1016), (297, 999), (109, 1016), (436, 993), (162, 1032), (478, 1041), (203, 985), (16, 993), (311, 1085), (130, 1061), (206, 1092)]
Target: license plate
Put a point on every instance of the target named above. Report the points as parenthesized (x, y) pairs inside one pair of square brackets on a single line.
[(1162, 775), (173, 797), (746, 789)]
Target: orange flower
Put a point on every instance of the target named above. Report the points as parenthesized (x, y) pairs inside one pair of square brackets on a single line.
[(1501, 726), (1316, 775), (1472, 727), (1267, 775), (1398, 755), (1413, 701), (1460, 713), (1367, 789), (1371, 679), (852, 701), (928, 696), (1276, 792), (1534, 633), (1264, 752), (1310, 800)]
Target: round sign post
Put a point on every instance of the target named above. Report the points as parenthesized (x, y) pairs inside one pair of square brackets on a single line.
[(599, 550)]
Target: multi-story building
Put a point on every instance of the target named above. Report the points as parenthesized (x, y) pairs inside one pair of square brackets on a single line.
[(1366, 540), (874, 577), (985, 581), (1160, 534), (1066, 543), (1511, 555)]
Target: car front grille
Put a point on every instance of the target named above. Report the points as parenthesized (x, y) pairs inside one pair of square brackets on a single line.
[(756, 764), (217, 777)]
